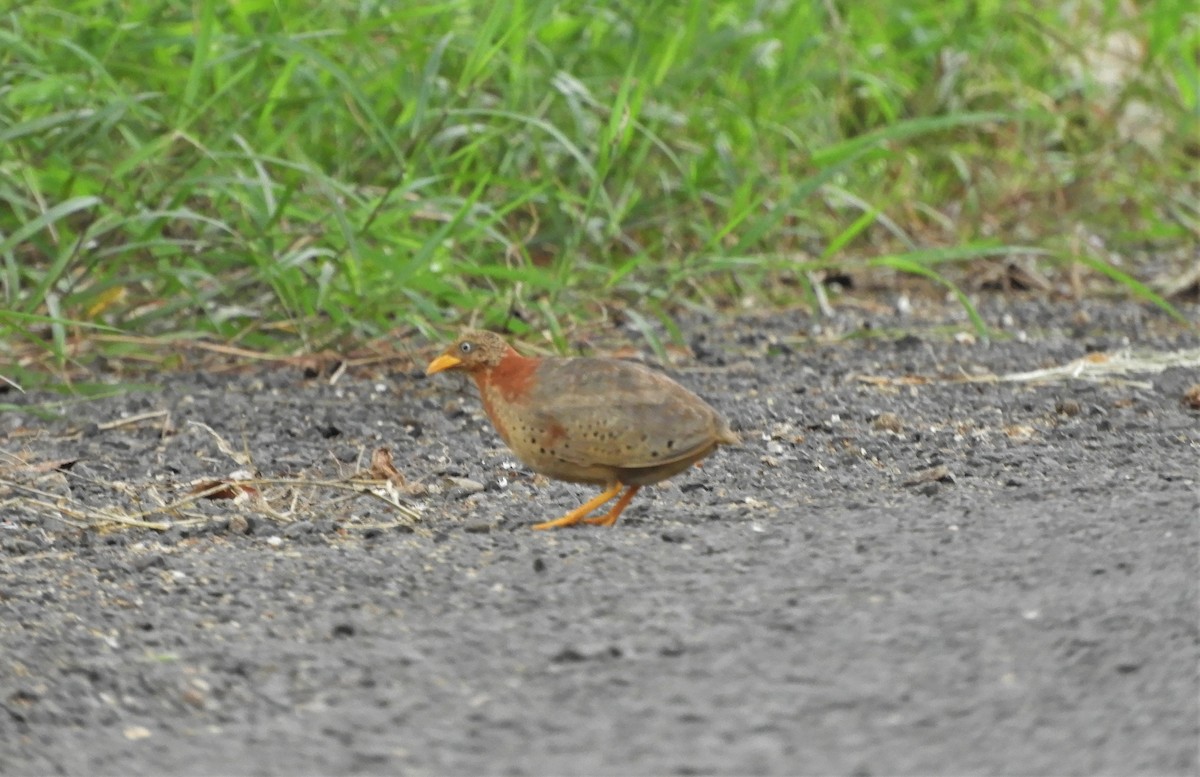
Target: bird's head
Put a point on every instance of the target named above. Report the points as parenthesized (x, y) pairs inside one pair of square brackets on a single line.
[(471, 352)]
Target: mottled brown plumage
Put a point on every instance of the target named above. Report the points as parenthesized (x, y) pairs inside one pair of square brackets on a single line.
[(601, 421)]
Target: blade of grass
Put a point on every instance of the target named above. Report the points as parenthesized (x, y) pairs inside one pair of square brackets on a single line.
[(914, 267)]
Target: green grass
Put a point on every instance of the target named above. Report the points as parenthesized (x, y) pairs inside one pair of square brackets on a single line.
[(290, 175)]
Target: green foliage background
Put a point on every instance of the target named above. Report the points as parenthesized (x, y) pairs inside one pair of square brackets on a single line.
[(286, 173)]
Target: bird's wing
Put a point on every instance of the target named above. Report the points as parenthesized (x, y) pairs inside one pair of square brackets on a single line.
[(620, 414)]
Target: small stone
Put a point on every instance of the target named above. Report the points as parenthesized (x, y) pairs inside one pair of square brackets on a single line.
[(938, 474), (888, 422), (1067, 407), (591, 652), (298, 529), (1191, 397), (568, 654), (195, 697), (150, 561), (465, 484), (240, 524)]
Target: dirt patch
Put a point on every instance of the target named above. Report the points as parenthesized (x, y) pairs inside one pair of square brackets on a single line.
[(923, 559)]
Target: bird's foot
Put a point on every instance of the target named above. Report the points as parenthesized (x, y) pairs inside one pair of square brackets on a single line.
[(580, 513), (570, 519), (609, 518)]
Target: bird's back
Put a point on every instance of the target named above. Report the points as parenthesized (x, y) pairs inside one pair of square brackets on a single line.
[(598, 420)]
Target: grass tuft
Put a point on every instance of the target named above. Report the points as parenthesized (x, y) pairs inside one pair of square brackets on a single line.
[(338, 171)]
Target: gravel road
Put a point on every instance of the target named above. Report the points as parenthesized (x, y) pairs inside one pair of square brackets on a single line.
[(911, 566)]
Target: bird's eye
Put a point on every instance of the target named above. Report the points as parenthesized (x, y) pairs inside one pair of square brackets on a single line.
[(465, 347)]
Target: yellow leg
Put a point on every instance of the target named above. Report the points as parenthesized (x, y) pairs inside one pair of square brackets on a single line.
[(611, 516), (579, 513)]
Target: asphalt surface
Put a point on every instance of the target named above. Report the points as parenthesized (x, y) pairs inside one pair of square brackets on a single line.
[(899, 572)]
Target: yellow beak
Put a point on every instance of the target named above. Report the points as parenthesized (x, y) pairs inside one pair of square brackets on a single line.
[(443, 362)]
